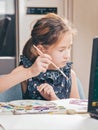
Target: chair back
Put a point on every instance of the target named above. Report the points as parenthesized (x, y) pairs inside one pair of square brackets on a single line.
[(80, 89), (13, 93)]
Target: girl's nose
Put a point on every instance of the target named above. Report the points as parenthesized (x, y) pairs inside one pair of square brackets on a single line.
[(67, 54)]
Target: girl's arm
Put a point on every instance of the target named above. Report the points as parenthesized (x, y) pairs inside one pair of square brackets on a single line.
[(74, 89), (18, 75)]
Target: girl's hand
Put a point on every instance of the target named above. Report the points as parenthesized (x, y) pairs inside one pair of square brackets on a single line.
[(47, 91), (41, 64)]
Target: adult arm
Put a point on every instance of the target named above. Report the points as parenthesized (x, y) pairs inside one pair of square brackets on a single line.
[(18, 75)]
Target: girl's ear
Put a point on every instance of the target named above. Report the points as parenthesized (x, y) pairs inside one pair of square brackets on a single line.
[(41, 48)]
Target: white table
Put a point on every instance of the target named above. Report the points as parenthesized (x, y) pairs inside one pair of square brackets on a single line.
[(48, 122)]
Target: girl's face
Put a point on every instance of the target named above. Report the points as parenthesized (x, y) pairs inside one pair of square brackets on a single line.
[(60, 52)]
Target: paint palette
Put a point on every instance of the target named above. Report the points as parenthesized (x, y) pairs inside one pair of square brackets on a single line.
[(64, 106), (5, 108), (34, 107)]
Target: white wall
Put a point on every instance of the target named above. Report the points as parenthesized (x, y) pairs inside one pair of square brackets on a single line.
[(85, 19)]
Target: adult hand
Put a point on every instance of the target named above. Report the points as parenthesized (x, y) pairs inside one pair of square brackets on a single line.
[(41, 64)]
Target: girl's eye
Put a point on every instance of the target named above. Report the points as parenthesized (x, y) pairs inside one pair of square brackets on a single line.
[(64, 49), (61, 50)]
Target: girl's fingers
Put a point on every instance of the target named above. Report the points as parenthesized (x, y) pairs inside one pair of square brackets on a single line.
[(41, 87), (47, 89)]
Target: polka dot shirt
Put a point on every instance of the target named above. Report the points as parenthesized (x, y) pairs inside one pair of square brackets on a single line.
[(60, 84)]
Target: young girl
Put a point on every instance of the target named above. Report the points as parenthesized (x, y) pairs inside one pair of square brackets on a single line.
[(53, 37)]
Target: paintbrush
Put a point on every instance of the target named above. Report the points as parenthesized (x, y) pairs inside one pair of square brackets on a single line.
[(40, 52)]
